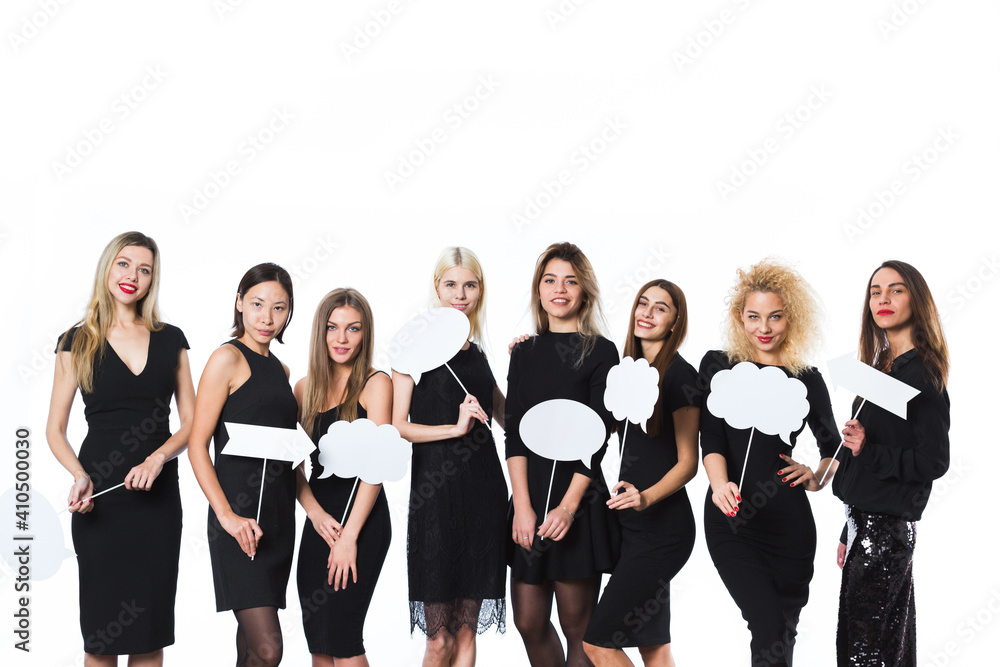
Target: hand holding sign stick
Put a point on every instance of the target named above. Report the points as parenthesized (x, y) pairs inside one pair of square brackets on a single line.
[(267, 442), (429, 340), (562, 430), (870, 384)]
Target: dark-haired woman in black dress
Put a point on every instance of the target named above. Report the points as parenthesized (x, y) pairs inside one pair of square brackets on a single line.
[(654, 510), (127, 364), (339, 565), (244, 383)]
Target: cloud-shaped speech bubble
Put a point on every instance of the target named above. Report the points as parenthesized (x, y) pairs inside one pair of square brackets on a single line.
[(428, 340), (631, 391), (762, 398), (359, 448), (41, 523), (563, 430)]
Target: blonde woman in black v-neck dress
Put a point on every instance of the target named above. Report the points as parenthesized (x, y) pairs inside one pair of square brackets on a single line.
[(127, 364)]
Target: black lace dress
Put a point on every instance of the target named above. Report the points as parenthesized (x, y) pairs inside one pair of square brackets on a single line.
[(458, 508)]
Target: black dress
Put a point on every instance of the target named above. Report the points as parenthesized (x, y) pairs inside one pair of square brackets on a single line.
[(129, 534), (886, 488), (334, 621), (458, 505), (265, 399), (657, 541), (542, 368), (765, 553)]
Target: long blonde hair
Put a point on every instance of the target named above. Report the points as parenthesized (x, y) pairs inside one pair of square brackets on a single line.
[(590, 317), (801, 307), (87, 348), (320, 376), (459, 256)]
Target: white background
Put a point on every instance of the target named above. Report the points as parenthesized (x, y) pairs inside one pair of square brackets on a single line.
[(647, 203)]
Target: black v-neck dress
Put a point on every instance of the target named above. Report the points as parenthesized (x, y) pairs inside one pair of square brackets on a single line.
[(128, 546), (265, 399)]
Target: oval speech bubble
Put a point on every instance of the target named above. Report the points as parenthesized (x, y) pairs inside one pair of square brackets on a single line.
[(428, 340), (563, 430)]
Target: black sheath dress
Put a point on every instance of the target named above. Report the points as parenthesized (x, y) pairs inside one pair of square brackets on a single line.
[(656, 542), (765, 553), (265, 399), (458, 507), (542, 368), (129, 544), (334, 621)]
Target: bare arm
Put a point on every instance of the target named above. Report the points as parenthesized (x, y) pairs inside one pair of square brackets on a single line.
[(725, 494), (524, 516), (402, 394), (219, 379), (63, 390), (560, 519), (686, 435)]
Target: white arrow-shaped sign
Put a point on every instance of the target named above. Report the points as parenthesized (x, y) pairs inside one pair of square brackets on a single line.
[(267, 442), (870, 384)]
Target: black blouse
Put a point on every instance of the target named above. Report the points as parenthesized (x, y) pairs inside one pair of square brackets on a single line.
[(901, 457)]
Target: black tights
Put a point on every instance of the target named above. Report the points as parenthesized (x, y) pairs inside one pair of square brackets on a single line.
[(258, 637), (532, 605)]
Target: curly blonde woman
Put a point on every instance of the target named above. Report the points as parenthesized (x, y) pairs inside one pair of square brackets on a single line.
[(763, 545)]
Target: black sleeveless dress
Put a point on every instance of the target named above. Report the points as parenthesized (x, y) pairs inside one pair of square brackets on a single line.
[(656, 542), (129, 534), (458, 506), (265, 399), (334, 621)]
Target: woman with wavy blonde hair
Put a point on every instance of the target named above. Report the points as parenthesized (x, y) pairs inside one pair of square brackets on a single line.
[(763, 547), (127, 365)]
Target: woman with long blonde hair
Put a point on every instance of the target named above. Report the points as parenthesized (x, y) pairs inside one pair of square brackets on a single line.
[(339, 563), (127, 364), (763, 545), (458, 496)]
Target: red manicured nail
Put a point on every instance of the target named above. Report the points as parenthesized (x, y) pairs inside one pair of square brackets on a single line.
[(781, 472), (739, 499), (784, 479), (792, 484)]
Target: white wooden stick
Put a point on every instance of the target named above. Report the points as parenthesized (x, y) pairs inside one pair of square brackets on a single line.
[(549, 497), (745, 459), (260, 499), (349, 498), (96, 495), (456, 378), (840, 446)]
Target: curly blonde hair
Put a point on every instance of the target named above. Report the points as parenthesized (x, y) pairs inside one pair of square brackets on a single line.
[(802, 312)]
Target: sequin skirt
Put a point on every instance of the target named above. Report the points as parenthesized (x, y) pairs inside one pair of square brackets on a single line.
[(877, 625)]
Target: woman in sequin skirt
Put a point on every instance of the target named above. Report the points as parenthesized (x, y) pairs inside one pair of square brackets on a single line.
[(887, 477)]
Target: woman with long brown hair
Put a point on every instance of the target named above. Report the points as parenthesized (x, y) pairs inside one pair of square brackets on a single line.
[(339, 563), (653, 507), (561, 549), (887, 478)]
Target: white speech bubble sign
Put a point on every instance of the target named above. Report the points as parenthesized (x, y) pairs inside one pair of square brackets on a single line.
[(428, 340), (362, 449), (563, 430), (268, 442), (761, 398), (870, 384), (631, 391)]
